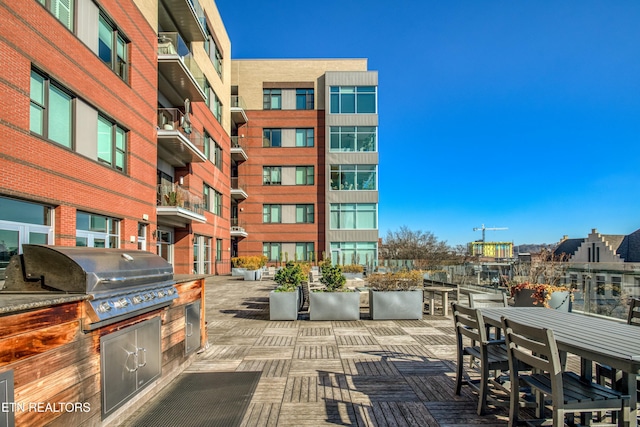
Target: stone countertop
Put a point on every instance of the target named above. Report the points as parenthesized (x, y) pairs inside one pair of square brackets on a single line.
[(11, 302)]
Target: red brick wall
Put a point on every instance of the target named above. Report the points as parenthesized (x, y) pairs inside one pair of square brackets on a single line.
[(250, 177)]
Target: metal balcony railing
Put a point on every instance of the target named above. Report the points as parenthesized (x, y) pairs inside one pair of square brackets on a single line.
[(171, 43), (176, 196)]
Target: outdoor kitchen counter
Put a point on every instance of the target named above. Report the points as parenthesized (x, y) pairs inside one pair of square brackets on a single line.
[(11, 302)]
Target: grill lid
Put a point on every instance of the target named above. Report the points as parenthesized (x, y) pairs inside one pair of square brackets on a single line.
[(85, 270)]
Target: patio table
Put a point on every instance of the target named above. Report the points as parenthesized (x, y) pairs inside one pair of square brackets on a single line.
[(591, 338), (431, 291)]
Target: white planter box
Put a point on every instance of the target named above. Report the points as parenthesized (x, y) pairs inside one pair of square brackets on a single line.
[(396, 304), (334, 306), (284, 305)]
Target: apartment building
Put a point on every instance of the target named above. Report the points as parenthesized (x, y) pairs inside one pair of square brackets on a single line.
[(115, 124), (124, 125), (311, 176)]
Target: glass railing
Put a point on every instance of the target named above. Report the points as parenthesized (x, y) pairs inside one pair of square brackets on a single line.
[(238, 102), (176, 196), (172, 44), (236, 142), (235, 184), (174, 119)]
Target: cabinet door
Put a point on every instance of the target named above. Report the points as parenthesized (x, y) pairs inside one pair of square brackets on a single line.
[(119, 367), (149, 351), (192, 327)]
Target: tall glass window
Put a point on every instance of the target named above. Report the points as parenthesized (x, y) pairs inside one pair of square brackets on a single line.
[(112, 47), (354, 216), (272, 137), (271, 214), (304, 251), (344, 253), (353, 99), (353, 138), (304, 175), (353, 177), (272, 251), (272, 175), (272, 99), (304, 137), (304, 214), (51, 110), (111, 144), (63, 10), (304, 99)]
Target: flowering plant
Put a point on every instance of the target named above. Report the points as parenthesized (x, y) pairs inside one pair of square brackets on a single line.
[(541, 291)]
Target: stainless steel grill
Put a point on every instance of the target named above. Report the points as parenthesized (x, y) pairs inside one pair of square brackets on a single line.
[(121, 283)]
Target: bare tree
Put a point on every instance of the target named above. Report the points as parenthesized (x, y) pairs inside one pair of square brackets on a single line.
[(546, 267), (421, 246)]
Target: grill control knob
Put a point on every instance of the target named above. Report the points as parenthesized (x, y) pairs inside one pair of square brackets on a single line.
[(121, 303), (137, 299), (104, 307), (160, 294)]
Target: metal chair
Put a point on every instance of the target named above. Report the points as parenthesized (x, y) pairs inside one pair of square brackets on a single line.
[(487, 356), (484, 300), (606, 374), (568, 392)]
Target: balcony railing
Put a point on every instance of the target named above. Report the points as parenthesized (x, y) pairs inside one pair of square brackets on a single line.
[(237, 110), (238, 102), (176, 196), (235, 183), (171, 43)]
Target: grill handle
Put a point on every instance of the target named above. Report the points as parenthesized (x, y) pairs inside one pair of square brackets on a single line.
[(145, 277), (135, 361), (144, 353)]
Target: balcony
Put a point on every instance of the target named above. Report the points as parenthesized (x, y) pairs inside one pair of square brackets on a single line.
[(237, 110), (183, 16), (176, 146), (237, 229), (179, 76), (237, 152), (177, 207), (237, 193)]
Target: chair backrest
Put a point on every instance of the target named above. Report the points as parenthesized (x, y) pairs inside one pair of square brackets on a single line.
[(487, 300), (535, 347), (469, 323), (634, 312)]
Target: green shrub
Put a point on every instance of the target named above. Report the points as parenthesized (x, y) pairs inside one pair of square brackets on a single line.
[(332, 277), (289, 277)]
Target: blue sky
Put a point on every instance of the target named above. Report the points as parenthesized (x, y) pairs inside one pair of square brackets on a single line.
[(518, 114)]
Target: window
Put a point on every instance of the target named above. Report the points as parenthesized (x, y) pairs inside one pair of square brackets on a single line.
[(616, 285), (201, 254), (212, 151), (63, 10), (304, 175), (112, 144), (344, 253), (164, 245), (219, 249), (304, 214), (216, 106), (272, 137), (304, 99), (142, 236), (304, 251), (353, 138), (213, 51), (97, 231), (353, 99), (272, 175), (271, 214), (212, 200), (272, 251), (353, 177), (272, 99), (112, 47), (304, 137), (51, 111), (354, 216), (600, 285)]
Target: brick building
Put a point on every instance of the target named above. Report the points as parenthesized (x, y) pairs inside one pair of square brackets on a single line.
[(122, 127)]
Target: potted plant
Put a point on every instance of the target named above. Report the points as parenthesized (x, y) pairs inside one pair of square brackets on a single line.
[(249, 266), (527, 294), (334, 302), (396, 295), (285, 300), (353, 271)]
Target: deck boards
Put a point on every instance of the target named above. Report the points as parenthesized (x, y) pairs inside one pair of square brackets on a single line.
[(353, 373)]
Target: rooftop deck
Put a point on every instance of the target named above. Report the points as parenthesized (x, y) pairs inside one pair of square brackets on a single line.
[(350, 373)]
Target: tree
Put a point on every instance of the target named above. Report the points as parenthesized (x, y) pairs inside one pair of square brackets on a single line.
[(421, 246)]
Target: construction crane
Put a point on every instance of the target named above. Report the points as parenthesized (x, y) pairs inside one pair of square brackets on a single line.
[(483, 228)]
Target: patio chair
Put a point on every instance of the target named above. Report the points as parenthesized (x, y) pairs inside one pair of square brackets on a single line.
[(268, 273), (567, 392), (487, 300), (606, 374), (486, 355)]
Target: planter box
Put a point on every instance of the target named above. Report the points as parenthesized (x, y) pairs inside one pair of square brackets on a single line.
[(396, 304), (238, 271), (351, 276), (559, 300), (252, 274), (284, 305), (334, 306)]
